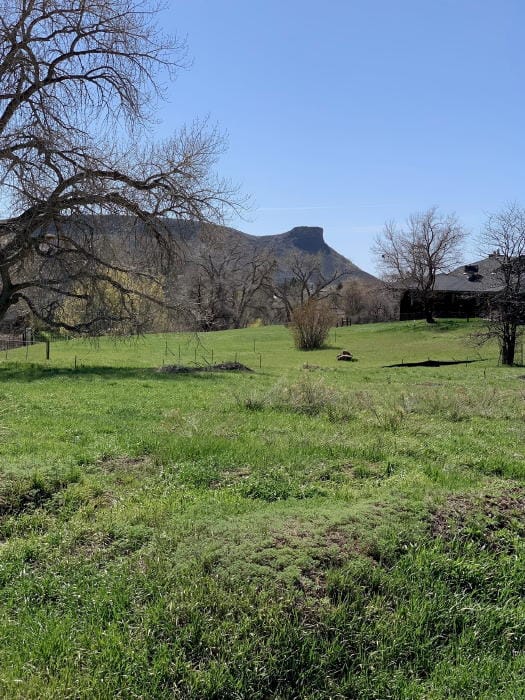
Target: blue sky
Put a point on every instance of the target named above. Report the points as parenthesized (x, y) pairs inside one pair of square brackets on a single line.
[(347, 114)]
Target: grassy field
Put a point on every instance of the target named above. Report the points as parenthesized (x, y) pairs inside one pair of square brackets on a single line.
[(311, 529)]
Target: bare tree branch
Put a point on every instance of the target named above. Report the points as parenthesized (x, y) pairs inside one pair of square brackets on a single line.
[(78, 82), (223, 278), (411, 257), (300, 277), (503, 238)]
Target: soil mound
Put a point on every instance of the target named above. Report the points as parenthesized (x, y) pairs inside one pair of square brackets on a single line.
[(219, 367)]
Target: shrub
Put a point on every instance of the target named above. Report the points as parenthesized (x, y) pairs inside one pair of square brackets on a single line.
[(311, 323)]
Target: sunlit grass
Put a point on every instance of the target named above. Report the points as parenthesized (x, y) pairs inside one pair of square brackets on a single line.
[(313, 529)]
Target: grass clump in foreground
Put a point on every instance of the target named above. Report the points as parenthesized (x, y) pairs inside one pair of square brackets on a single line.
[(297, 532)]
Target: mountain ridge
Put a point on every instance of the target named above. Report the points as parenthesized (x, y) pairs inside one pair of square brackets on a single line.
[(305, 240)]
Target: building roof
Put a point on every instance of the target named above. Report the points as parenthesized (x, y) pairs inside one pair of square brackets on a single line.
[(477, 277)]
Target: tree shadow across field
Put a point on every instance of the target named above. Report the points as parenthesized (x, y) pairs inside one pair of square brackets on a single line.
[(30, 373), (433, 363), (441, 325)]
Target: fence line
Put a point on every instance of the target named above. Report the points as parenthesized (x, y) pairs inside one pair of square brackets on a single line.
[(12, 342), (189, 354), (27, 339), (208, 356)]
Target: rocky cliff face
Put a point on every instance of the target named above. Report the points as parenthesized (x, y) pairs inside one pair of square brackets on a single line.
[(307, 238)]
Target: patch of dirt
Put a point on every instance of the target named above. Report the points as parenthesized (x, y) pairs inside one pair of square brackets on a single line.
[(485, 519), (124, 463), (337, 549), (105, 546), (89, 546), (229, 366), (176, 369), (325, 550), (219, 367), (230, 477)]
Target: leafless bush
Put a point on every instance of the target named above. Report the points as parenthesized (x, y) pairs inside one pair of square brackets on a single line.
[(311, 323)]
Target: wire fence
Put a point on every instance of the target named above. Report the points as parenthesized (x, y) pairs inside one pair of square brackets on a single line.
[(10, 342), (26, 339), (200, 354), (134, 351), (164, 352)]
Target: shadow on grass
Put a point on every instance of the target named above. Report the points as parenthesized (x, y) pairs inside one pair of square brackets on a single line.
[(440, 324), (433, 363), (34, 372)]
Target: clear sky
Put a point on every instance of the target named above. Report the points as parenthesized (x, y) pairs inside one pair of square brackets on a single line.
[(345, 114)]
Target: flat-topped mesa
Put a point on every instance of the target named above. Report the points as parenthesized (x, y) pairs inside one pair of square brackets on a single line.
[(307, 238), (300, 240)]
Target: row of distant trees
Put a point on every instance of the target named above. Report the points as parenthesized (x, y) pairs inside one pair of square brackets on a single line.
[(213, 284), (225, 283)]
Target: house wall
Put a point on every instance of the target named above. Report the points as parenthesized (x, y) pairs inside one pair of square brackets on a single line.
[(446, 305)]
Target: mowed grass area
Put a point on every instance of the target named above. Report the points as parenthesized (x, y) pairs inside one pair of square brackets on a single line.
[(313, 529)]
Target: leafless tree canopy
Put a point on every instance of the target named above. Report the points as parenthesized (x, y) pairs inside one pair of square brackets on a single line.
[(298, 279), (224, 281), (503, 237), (412, 256), (78, 82), (363, 302)]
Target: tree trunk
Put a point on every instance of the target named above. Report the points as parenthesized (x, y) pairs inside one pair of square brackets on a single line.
[(429, 311), (428, 306), (508, 346)]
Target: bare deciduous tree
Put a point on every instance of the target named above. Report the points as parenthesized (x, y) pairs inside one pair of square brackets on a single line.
[(503, 237), (300, 277), (411, 257), (365, 301), (78, 81), (353, 298), (223, 280)]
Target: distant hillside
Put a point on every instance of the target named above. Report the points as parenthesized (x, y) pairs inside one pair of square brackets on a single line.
[(223, 278), (307, 240)]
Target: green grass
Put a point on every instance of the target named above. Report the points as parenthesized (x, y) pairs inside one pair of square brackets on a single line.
[(313, 529)]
